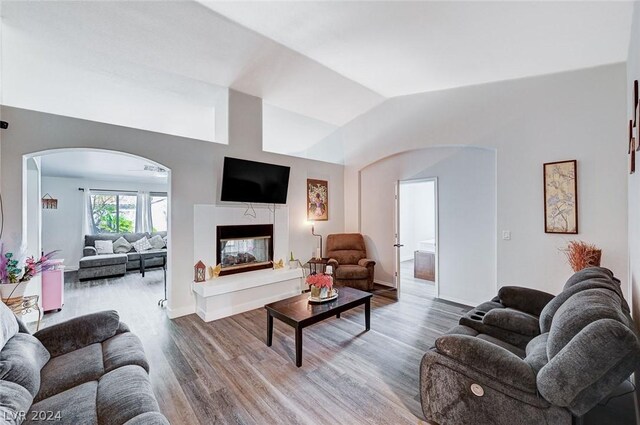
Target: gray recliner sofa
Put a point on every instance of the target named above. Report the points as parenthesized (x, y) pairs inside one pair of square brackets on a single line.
[(529, 358), (88, 370), (92, 266)]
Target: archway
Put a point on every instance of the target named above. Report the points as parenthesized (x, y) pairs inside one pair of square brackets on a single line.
[(128, 196)]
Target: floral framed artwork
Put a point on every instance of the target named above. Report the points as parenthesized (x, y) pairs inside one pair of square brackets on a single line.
[(317, 200), (561, 197)]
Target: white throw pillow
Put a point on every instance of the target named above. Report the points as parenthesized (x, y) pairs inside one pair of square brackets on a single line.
[(142, 245), (104, 247), (8, 324), (121, 246), (157, 242)]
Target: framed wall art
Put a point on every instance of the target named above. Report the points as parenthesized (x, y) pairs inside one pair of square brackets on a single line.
[(561, 197), (317, 200)]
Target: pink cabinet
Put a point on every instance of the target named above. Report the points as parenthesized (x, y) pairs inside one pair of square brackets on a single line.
[(53, 288)]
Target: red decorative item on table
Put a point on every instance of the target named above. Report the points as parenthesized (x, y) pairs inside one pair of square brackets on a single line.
[(321, 286)]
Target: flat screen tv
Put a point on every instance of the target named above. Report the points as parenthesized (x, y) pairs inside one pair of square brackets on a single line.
[(251, 181)]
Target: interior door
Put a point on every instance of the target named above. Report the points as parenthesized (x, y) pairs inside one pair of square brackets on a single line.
[(397, 243)]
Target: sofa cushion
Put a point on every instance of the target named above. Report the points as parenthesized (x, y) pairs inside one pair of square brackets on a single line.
[(537, 352), (76, 406), (123, 394), (157, 242), (15, 400), (90, 240), (70, 370), (121, 350), (8, 324), (513, 320), (580, 310), (21, 360), (142, 245), (103, 260), (351, 272), (122, 246), (346, 248)]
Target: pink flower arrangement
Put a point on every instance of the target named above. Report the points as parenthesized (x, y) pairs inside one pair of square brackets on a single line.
[(320, 280)]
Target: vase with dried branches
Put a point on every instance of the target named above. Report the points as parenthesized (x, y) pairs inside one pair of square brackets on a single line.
[(581, 255)]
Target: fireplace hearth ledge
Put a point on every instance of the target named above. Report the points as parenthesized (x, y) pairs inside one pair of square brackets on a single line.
[(232, 294)]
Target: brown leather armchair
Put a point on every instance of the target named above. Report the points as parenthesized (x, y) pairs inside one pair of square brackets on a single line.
[(348, 256)]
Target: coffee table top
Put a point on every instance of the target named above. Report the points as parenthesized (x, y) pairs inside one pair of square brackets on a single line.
[(299, 309)]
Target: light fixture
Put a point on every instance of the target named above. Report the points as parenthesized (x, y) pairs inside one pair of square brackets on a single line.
[(313, 232)]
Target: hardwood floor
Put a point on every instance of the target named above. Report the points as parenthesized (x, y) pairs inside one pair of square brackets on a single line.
[(222, 372)]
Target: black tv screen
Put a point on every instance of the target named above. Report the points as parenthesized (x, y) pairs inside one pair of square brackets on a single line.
[(251, 181)]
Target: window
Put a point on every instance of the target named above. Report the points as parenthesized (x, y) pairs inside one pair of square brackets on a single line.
[(159, 212), (114, 212)]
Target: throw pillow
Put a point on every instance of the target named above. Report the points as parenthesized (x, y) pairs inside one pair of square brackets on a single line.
[(142, 245), (121, 246), (166, 240), (157, 242), (104, 247), (8, 324)]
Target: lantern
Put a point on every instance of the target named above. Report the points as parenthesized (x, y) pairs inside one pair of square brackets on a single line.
[(199, 272)]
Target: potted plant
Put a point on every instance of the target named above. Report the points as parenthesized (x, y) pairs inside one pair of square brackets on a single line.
[(581, 255), (293, 262), (14, 276)]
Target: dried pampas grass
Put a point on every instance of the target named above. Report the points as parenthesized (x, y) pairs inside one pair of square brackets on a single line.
[(582, 255)]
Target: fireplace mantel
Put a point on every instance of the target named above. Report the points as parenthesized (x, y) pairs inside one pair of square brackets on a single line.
[(236, 293)]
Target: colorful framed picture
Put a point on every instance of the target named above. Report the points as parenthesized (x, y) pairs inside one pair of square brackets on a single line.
[(317, 200), (561, 197)]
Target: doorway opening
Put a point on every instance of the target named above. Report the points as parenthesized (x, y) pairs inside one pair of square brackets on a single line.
[(110, 227), (417, 237)]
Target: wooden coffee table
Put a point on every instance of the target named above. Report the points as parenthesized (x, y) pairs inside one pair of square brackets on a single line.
[(299, 313)]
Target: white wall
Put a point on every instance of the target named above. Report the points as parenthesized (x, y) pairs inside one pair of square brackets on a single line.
[(466, 217), (196, 170), (573, 115), (417, 215), (62, 227)]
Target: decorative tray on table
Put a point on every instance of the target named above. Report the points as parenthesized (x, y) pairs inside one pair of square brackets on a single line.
[(323, 300)]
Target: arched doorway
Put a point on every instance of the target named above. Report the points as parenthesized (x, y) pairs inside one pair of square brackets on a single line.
[(102, 196)]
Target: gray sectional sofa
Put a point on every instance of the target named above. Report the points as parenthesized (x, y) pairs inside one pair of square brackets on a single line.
[(85, 371), (93, 266), (529, 358)]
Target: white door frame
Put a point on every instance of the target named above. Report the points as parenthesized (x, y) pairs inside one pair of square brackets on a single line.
[(398, 242)]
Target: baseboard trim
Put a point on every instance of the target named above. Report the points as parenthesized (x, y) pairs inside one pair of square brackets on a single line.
[(458, 301), (174, 313), (380, 282)]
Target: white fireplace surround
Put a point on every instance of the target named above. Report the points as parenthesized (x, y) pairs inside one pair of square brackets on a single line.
[(233, 294)]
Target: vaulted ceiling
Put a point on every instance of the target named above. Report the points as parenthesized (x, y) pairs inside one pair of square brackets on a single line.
[(328, 61)]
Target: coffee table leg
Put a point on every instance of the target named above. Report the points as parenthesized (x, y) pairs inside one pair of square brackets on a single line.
[(338, 316), (298, 346), (367, 313), (269, 329)]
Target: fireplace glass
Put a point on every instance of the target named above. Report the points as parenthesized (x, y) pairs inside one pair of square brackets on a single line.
[(240, 253)]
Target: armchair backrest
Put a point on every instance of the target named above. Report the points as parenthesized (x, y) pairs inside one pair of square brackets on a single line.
[(346, 248)]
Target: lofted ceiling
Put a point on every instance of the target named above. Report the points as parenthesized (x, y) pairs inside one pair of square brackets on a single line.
[(327, 61)]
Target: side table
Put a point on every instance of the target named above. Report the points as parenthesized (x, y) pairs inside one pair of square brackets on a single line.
[(26, 305)]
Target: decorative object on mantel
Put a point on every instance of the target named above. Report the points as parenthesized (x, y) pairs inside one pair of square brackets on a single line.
[(561, 197), (321, 286), (214, 271), (199, 272), (581, 255), (49, 202), (317, 200), (278, 264), (293, 262), (14, 276)]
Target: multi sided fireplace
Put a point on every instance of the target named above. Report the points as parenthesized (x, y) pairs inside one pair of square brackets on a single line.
[(244, 248)]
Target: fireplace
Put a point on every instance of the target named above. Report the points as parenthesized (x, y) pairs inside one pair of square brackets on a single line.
[(244, 248)]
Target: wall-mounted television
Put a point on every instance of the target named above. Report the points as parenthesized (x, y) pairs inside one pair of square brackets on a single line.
[(251, 181)]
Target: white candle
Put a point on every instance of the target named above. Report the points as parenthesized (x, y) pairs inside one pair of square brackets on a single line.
[(318, 253)]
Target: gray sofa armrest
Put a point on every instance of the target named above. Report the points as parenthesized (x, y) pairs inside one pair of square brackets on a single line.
[(149, 418), (79, 332), (513, 321), (489, 359), (528, 300), (366, 262), (88, 251)]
